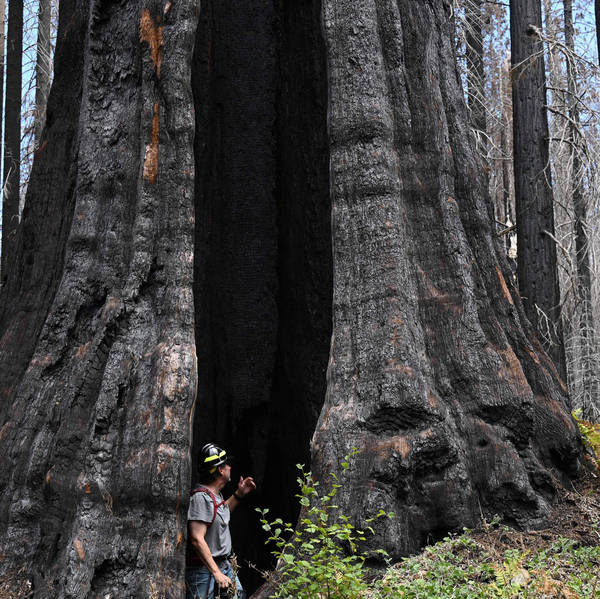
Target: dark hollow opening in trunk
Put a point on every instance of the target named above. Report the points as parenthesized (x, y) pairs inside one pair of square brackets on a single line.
[(263, 266)]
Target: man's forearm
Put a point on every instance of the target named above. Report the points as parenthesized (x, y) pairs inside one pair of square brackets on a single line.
[(233, 501), (201, 546)]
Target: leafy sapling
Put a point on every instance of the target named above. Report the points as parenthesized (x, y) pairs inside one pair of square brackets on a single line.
[(321, 557)]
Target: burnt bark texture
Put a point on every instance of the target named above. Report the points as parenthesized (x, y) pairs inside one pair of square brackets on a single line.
[(434, 375), (97, 348), (534, 200), (185, 149), (12, 137), (263, 244), (197, 158), (2, 61)]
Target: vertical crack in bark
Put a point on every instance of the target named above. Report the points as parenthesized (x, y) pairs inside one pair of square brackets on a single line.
[(263, 256)]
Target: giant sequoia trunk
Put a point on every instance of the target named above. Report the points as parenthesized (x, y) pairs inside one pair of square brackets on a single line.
[(434, 372), (179, 205)]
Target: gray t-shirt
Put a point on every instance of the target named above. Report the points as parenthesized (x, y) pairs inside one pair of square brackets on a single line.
[(218, 537)]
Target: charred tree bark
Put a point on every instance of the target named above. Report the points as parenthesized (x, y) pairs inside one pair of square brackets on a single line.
[(536, 248), (98, 326), (97, 348), (263, 248), (43, 68), (12, 137), (434, 372)]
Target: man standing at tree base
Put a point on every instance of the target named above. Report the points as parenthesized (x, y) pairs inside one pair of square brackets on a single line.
[(208, 565)]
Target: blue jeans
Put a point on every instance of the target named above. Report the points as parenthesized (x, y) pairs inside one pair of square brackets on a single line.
[(200, 584)]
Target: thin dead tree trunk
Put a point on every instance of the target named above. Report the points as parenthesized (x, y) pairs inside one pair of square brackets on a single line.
[(43, 67), (587, 330), (506, 155), (476, 73), (597, 13), (536, 253), (12, 137)]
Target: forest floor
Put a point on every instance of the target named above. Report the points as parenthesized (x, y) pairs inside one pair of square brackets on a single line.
[(561, 561)]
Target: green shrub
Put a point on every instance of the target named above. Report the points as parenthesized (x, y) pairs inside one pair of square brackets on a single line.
[(590, 434), (321, 557)]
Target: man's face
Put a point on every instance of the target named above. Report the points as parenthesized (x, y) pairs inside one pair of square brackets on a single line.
[(225, 471)]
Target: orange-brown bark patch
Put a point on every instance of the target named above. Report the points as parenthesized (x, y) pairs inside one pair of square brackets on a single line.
[(512, 367), (399, 445), (79, 548), (87, 489), (110, 307), (147, 417), (447, 301), (504, 286), (180, 537), (82, 350), (151, 158), (152, 34)]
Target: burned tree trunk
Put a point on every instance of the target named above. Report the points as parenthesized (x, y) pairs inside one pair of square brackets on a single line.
[(534, 199), (97, 349), (434, 372)]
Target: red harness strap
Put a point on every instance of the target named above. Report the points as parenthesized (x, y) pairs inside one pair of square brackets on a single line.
[(216, 505), (192, 558)]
